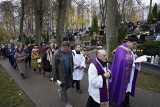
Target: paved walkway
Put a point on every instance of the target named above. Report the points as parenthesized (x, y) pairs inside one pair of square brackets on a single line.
[(44, 93)]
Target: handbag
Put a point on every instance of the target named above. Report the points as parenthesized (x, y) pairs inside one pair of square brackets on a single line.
[(39, 60)]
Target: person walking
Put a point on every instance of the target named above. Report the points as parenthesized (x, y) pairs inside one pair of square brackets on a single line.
[(121, 69), (47, 60), (79, 65), (62, 70), (98, 75), (157, 30), (9, 53), (20, 57), (36, 59), (27, 50)]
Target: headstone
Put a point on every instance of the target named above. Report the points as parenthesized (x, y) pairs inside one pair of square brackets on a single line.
[(93, 42), (87, 31), (142, 38), (156, 59), (149, 58), (152, 60), (101, 32), (77, 40)]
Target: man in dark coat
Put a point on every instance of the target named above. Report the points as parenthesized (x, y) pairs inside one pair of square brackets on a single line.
[(62, 70)]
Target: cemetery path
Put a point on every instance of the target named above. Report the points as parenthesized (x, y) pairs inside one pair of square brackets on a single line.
[(44, 93)]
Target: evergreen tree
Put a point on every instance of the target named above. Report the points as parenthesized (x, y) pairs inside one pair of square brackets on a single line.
[(150, 17), (154, 11), (158, 16), (94, 27)]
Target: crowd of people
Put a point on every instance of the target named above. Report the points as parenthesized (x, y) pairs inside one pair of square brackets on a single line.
[(20, 57), (66, 67)]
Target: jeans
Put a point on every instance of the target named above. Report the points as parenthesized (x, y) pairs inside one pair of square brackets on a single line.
[(64, 89)]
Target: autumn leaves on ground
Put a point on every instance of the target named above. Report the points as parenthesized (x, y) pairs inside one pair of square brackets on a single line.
[(11, 94)]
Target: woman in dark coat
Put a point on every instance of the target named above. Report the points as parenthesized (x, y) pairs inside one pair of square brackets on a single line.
[(47, 60)]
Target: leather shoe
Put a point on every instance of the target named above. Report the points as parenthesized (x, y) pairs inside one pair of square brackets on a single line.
[(80, 91)]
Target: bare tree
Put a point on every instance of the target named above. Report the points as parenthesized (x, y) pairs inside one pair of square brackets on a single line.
[(7, 19), (150, 7), (62, 8), (21, 21), (28, 18), (123, 12), (81, 11), (37, 4), (103, 6)]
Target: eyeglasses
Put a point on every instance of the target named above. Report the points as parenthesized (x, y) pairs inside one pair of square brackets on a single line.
[(135, 43)]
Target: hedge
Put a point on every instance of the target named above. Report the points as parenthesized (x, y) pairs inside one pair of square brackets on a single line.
[(151, 48)]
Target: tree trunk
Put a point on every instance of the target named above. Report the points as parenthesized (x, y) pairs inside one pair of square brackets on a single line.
[(123, 14), (150, 7), (61, 20), (21, 22), (38, 20), (103, 6), (112, 24)]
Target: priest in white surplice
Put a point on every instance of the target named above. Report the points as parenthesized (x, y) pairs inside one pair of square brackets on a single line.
[(79, 65), (98, 75)]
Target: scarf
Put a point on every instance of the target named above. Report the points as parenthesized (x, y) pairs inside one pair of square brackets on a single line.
[(104, 90), (49, 57)]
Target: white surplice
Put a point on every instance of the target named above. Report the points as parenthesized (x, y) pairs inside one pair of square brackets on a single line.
[(134, 66), (95, 82), (78, 60)]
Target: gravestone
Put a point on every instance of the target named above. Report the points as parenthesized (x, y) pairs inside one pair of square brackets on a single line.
[(156, 60), (77, 40), (93, 42), (101, 32), (152, 59), (142, 38)]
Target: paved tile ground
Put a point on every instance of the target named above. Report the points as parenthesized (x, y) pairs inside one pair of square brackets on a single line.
[(44, 93)]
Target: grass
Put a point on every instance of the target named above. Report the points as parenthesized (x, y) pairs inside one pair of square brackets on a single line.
[(149, 81), (11, 95)]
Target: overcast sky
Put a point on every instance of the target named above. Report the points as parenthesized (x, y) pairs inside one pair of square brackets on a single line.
[(147, 2)]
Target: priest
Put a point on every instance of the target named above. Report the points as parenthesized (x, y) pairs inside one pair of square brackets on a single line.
[(123, 72), (98, 75)]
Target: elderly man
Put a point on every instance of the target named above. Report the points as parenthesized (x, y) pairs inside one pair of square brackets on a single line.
[(62, 70), (98, 75)]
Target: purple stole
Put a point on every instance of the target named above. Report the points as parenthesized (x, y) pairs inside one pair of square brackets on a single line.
[(103, 90)]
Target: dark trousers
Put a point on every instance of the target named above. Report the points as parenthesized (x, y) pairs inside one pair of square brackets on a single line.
[(77, 84), (126, 100), (64, 87), (28, 60), (92, 103), (10, 60)]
